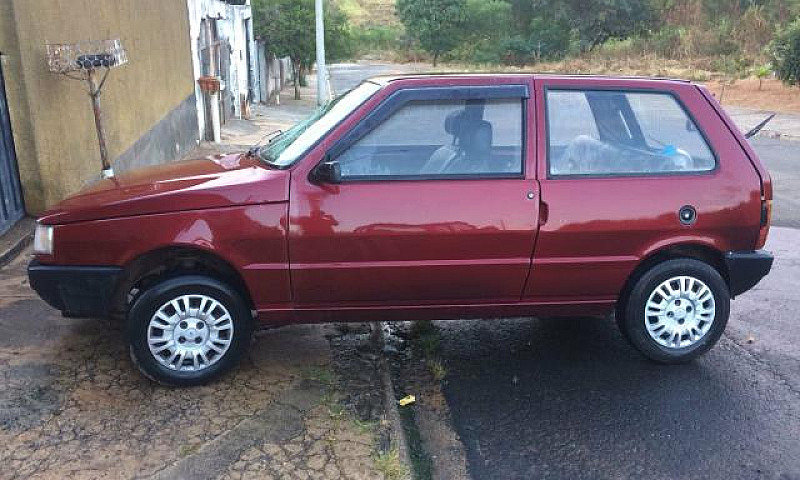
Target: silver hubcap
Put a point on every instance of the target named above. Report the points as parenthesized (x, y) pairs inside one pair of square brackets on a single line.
[(679, 312), (190, 333)]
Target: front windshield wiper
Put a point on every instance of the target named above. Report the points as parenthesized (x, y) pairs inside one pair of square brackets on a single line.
[(255, 148)]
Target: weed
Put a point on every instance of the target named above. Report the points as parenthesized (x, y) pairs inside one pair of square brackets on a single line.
[(321, 374), (421, 328), (437, 369), (365, 426), (389, 464), (187, 450)]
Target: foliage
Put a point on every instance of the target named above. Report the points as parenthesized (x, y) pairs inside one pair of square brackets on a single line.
[(549, 39), (753, 31), (597, 21), (390, 465), (377, 38), (484, 31), (761, 73), (730, 36), (785, 51), (435, 24), (287, 26)]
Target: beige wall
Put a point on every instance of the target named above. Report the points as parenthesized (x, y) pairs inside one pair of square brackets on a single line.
[(51, 115)]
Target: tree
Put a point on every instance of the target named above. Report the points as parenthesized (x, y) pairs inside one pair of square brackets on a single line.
[(785, 49), (600, 20), (435, 24), (287, 26), (549, 38)]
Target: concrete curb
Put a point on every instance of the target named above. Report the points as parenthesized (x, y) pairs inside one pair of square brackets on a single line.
[(398, 437), (13, 242), (777, 135)]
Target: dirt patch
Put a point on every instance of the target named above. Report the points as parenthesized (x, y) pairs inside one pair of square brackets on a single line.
[(773, 95)]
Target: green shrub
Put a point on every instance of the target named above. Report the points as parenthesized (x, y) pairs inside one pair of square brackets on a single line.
[(785, 51), (549, 39), (378, 38)]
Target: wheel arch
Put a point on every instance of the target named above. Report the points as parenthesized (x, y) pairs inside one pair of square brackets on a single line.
[(170, 261), (697, 251)]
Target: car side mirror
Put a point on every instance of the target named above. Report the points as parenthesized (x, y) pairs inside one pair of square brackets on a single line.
[(327, 172)]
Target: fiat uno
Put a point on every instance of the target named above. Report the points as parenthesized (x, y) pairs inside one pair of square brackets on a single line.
[(428, 197)]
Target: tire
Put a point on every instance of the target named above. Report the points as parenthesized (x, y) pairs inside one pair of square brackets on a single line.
[(198, 316), (685, 322)]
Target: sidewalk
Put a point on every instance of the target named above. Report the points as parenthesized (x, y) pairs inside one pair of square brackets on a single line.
[(240, 135)]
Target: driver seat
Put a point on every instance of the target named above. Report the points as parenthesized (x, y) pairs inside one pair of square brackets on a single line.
[(471, 146)]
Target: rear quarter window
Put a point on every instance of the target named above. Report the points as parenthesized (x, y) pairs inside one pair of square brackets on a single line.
[(601, 133)]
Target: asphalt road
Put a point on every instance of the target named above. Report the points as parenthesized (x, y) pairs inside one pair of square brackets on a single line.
[(782, 159), (345, 76), (568, 398)]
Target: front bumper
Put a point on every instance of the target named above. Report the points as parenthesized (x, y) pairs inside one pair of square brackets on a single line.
[(78, 291), (746, 269)]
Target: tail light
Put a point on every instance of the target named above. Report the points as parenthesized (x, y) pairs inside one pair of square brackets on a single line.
[(766, 218)]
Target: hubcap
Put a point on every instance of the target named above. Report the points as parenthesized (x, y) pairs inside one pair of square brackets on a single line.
[(679, 312), (190, 333)]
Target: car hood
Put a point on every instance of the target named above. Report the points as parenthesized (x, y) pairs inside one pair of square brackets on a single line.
[(211, 182)]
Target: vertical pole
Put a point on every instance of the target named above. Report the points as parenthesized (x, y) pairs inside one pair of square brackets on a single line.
[(322, 71), (94, 93), (216, 127)]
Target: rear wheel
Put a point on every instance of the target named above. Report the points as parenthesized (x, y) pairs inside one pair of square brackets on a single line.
[(676, 311), (188, 330)]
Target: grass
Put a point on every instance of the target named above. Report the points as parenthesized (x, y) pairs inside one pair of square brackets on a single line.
[(389, 464), (187, 450), (428, 342), (437, 369), (365, 427), (321, 374)]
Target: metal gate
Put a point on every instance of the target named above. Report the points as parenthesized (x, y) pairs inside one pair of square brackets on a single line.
[(11, 206)]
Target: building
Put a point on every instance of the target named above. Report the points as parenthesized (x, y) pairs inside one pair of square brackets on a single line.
[(222, 45), (149, 104), (153, 108)]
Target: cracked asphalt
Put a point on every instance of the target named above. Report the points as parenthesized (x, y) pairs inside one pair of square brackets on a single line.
[(73, 406)]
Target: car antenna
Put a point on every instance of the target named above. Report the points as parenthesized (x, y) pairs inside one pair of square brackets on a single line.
[(255, 147), (758, 127)]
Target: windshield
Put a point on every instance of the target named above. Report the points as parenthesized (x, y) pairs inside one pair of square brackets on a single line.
[(285, 149)]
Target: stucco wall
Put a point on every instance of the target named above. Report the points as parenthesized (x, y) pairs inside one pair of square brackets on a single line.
[(230, 25), (51, 115)]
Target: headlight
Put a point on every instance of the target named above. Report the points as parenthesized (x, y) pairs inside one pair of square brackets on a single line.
[(43, 240)]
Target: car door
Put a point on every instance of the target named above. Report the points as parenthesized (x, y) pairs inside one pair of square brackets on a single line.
[(436, 205), (619, 160)]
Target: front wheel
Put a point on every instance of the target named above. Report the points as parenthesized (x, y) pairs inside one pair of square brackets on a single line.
[(187, 330), (676, 311)]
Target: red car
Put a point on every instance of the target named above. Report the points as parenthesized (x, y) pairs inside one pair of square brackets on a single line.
[(428, 197)]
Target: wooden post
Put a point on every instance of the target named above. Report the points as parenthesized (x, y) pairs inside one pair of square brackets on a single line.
[(95, 88)]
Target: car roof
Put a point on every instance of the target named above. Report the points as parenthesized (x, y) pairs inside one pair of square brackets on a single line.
[(384, 80)]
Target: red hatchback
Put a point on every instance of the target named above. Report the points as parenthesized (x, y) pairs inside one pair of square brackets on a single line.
[(428, 197)]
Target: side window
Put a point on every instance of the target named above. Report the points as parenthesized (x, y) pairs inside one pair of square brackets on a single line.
[(440, 138), (599, 132)]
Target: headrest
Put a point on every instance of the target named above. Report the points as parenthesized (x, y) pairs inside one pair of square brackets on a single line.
[(452, 122)]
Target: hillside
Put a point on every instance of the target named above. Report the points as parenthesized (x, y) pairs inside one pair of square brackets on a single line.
[(369, 12)]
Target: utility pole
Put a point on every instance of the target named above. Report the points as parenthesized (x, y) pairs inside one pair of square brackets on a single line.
[(322, 71)]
